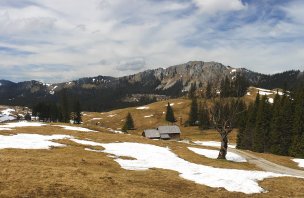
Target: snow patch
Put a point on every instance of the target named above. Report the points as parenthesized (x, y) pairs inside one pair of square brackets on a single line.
[(264, 92), (213, 154), (143, 107), (22, 124), (300, 162), (148, 116), (212, 144), (270, 100), (30, 141), (111, 116), (5, 115), (151, 156), (72, 128), (114, 131), (96, 118)]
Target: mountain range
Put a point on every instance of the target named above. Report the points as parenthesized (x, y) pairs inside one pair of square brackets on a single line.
[(105, 92)]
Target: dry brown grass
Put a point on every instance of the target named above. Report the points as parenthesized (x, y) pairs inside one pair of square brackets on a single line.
[(73, 172)]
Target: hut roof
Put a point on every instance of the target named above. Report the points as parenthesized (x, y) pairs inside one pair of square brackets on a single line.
[(152, 133), (169, 129)]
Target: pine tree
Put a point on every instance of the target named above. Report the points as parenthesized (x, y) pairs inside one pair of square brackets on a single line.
[(250, 124), (286, 136), (203, 116), (64, 106), (240, 141), (77, 111), (170, 114), (275, 131), (129, 123), (241, 124), (225, 88), (297, 146), (281, 127), (192, 90), (261, 132), (239, 86), (208, 93), (193, 115)]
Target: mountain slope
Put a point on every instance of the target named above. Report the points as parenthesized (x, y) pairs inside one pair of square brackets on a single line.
[(104, 92)]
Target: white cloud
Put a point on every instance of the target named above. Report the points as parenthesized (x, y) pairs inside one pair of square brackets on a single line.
[(131, 35), (214, 6), (133, 64)]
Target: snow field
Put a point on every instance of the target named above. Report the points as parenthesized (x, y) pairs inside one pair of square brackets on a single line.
[(150, 156), (30, 141), (9, 126), (213, 154)]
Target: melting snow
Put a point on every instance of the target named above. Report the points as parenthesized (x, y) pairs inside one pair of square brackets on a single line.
[(213, 154), (114, 131), (5, 115), (151, 156), (212, 144), (270, 100), (265, 91), (72, 128), (141, 108), (111, 116), (30, 141), (300, 162), (96, 118), (22, 124), (7, 111), (148, 116)]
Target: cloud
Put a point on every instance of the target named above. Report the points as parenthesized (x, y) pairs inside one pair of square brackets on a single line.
[(121, 37), (37, 72), (214, 6), (133, 64), (16, 3), (14, 52)]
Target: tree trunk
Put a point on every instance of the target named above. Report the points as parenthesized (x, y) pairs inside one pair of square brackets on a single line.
[(224, 146)]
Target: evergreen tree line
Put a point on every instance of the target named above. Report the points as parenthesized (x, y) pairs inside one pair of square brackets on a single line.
[(199, 115), (236, 87), (276, 128), (64, 111)]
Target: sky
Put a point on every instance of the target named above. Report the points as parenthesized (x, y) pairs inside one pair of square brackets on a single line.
[(61, 40)]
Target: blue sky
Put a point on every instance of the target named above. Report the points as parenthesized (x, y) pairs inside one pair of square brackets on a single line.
[(60, 40)]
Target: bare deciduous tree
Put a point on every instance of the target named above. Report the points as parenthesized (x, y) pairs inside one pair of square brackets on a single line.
[(224, 115)]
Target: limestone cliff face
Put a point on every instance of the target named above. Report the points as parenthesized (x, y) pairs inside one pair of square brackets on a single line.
[(198, 72)]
